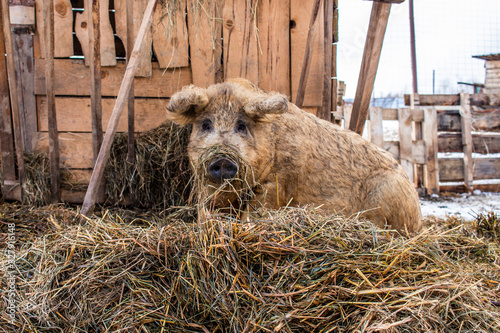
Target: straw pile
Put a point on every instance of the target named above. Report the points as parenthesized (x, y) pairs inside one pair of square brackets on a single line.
[(293, 270), (160, 176)]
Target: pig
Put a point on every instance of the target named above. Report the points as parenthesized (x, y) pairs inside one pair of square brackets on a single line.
[(289, 157)]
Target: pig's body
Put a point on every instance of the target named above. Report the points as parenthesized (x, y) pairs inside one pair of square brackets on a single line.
[(297, 158)]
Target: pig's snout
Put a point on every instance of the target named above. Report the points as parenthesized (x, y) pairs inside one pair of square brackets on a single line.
[(221, 169)]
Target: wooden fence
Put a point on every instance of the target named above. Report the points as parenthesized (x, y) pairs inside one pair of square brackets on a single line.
[(197, 42), (445, 142)]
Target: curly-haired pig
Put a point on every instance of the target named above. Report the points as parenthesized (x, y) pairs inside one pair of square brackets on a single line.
[(294, 157)]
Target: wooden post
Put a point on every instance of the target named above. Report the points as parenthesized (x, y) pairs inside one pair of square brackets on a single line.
[(11, 188), (376, 127), (466, 120), (431, 180), (369, 65), (313, 29), (11, 71), (130, 105), (55, 180), (325, 112), (418, 170), (98, 173), (405, 141)]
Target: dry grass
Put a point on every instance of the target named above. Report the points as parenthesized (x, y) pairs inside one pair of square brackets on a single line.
[(293, 270), (160, 176)]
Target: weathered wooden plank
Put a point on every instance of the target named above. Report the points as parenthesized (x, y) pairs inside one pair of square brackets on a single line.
[(475, 100), (273, 21), (63, 27), (23, 58), (108, 54), (309, 51), (452, 169), (75, 149), (431, 170), (376, 127), (205, 34), (299, 28), (405, 141), (72, 79), (466, 139), (11, 71), (482, 143), (55, 174), (371, 55), (417, 150), (447, 187), (74, 114), (145, 65), (170, 35), (241, 57), (326, 110), (11, 188)]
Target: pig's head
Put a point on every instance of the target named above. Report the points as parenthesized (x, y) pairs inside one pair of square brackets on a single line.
[(231, 146)]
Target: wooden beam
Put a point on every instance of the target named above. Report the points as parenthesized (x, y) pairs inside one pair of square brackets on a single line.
[(369, 65), (325, 112), (466, 140), (11, 71), (131, 95), (9, 182), (431, 179), (55, 174), (405, 141), (98, 173), (313, 30)]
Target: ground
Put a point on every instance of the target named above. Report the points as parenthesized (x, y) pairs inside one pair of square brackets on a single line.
[(466, 206)]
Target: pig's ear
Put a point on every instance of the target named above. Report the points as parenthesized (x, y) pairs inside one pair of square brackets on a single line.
[(268, 104), (185, 105)]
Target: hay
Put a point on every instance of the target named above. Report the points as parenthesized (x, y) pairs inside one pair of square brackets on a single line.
[(160, 178), (36, 185), (291, 271)]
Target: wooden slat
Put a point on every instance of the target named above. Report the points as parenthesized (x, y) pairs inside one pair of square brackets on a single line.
[(300, 19), (108, 54), (75, 149), (23, 59), (241, 57), (466, 139), (97, 174), (452, 169), (376, 127), (417, 150), (63, 27), (72, 79), (405, 141), (16, 124), (431, 170), (482, 143), (11, 188), (55, 174), (131, 95), (273, 21), (170, 35), (369, 65), (484, 120), (475, 100), (205, 33), (309, 51), (326, 110), (74, 114), (446, 187)]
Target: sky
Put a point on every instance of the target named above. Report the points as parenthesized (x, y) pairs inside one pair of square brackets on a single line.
[(448, 33)]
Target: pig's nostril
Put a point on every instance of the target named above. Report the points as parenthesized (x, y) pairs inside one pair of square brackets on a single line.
[(221, 169)]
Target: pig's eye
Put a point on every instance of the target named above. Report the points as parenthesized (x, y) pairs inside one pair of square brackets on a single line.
[(241, 127), (206, 125)]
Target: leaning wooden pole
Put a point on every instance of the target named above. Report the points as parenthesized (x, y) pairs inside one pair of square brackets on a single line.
[(11, 72), (55, 174), (121, 100), (313, 30), (326, 109), (369, 65)]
